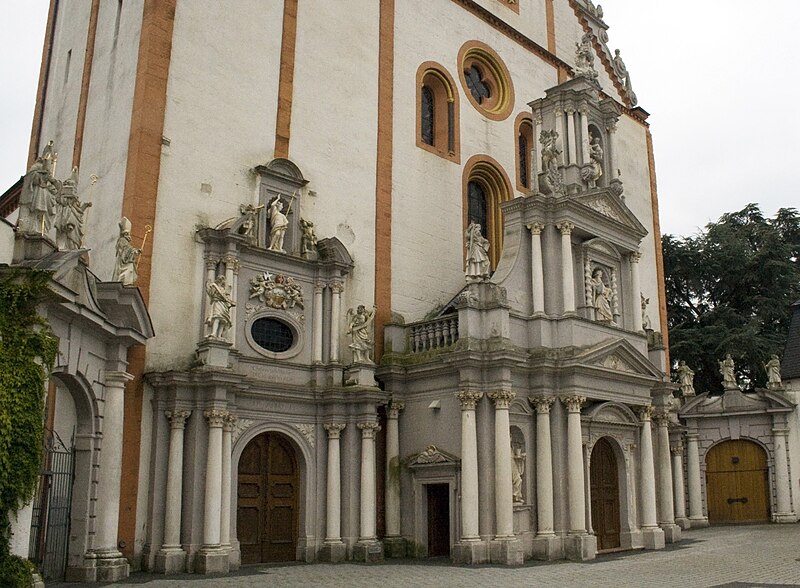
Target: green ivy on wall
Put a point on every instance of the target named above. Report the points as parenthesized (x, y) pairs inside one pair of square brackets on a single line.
[(27, 352)]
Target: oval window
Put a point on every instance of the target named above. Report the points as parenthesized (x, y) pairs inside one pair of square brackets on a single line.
[(271, 334)]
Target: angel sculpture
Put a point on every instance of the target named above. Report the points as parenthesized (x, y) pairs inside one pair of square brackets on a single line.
[(360, 330)]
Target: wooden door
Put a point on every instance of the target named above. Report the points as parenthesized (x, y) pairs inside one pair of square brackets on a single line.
[(603, 474), (438, 519), (268, 487), (737, 483)]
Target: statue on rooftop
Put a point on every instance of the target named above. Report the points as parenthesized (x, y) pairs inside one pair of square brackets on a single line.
[(38, 198), (726, 370), (71, 214), (584, 58), (125, 268), (624, 76), (773, 367), (360, 330), (685, 379), (477, 269)]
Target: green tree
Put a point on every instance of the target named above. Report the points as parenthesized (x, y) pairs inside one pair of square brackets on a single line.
[(729, 290)]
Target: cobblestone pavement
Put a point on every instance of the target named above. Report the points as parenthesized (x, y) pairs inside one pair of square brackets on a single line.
[(742, 556)]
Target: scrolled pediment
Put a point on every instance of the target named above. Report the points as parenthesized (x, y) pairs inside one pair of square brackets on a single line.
[(432, 456)]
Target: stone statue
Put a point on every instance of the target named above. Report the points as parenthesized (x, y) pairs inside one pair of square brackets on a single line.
[(594, 169), (646, 324), (602, 298), (360, 330), (248, 225), (584, 58), (477, 269), (220, 303), (726, 370), (517, 471), (71, 212), (773, 367), (551, 157), (127, 256), (38, 197), (278, 223), (308, 242), (624, 76), (686, 379)]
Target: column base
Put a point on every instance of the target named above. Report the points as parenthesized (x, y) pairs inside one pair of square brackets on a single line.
[(682, 522), (368, 551), (548, 547), (333, 552), (698, 522), (580, 547), (212, 560), (170, 561), (507, 552), (786, 517), (394, 547), (470, 552), (672, 532), (653, 538), (111, 566)]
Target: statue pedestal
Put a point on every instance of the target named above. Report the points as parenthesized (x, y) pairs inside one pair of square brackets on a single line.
[(213, 352), (360, 374), (32, 246)]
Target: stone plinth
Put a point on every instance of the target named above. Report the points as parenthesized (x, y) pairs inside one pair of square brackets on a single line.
[(653, 538), (394, 547), (368, 551), (111, 569), (360, 374), (470, 552), (672, 533), (27, 247), (548, 547), (212, 561), (507, 552), (333, 552), (213, 353), (580, 547), (170, 561)]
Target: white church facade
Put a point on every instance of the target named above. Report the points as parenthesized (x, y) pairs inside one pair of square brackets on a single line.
[(366, 283)]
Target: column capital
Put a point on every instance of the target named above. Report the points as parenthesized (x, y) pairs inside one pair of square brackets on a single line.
[(558, 111), (538, 119), (565, 227), (469, 398), (231, 261), (211, 261), (535, 228), (229, 422), (570, 110), (583, 109), (177, 418), (677, 449), (645, 413), (393, 409), (337, 287), (542, 404), (636, 256), (215, 417), (115, 378), (573, 402), (368, 429), (502, 398), (319, 286), (661, 417), (334, 429)]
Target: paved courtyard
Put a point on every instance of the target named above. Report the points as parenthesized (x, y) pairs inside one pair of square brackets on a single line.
[(763, 555)]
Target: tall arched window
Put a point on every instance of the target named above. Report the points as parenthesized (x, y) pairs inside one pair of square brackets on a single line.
[(523, 145), (437, 112), (486, 185)]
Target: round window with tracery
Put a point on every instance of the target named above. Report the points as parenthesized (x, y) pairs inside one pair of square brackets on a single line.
[(486, 80)]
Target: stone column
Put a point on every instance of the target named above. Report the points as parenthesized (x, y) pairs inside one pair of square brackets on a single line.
[(394, 544), (637, 291), (545, 545), (316, 324), (334, 549), (783, 501), (612, 150), (227, 480), (212, 558), (231, 274), (652, 535), (696, 517), (567, 274), (579, 545), (536, 160), (562, 132), (469, 549), (111, 566), (171, 558), (678, 488), (336, 309), (537, 267), (584, 112), (368, 547), (672, 532), (573, 151)]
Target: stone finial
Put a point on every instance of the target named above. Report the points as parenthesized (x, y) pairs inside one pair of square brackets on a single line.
[(477, 268), (359, 327), (125, 268)]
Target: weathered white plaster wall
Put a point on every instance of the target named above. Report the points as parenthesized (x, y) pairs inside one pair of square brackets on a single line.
[(531, 20)]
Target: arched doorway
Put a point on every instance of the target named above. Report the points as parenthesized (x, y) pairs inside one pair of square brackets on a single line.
[(736, 483), (267, 489), (604, 478)]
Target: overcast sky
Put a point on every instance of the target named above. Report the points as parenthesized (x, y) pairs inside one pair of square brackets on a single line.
[(720, 79)]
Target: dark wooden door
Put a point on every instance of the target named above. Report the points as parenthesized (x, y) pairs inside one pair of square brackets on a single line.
[(438, 519), (736, 483), (268, 485), (605, 495)]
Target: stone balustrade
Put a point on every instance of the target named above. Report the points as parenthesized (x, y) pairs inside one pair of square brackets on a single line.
[(433, 334)]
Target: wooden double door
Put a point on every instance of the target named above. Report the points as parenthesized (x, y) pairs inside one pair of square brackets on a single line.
[(604, 487), (267, 489), (737, 486)]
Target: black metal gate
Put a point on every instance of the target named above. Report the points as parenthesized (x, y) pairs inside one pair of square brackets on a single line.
[(51, 508)]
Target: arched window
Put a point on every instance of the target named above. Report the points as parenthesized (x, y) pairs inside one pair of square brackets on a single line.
[(437, 112), (523, 145), (486, 185)]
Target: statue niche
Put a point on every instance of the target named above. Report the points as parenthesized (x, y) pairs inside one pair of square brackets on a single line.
[(279, 227)]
